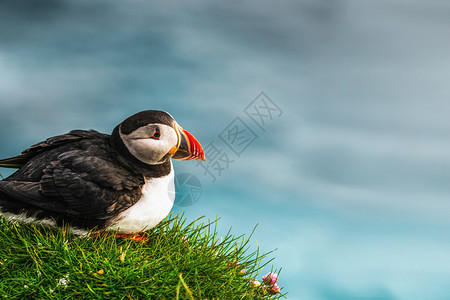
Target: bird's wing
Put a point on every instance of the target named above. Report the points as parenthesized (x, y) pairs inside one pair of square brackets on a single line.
[(75, 135), (81, 185)]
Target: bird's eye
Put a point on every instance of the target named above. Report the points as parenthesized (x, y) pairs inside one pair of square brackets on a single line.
[(156, 135)]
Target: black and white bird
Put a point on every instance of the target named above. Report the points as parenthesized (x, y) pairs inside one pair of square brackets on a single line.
[(86, 179)]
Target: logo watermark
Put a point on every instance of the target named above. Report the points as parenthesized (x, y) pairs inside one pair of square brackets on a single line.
[(188, 189), (223, 152)]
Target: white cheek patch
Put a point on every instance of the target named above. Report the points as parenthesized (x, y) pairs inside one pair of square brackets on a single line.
[(150, 150), (144, 150)]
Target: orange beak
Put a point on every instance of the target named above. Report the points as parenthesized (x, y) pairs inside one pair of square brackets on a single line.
[(188, 147)]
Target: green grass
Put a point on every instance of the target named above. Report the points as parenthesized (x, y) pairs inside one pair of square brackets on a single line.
[(180, 261)]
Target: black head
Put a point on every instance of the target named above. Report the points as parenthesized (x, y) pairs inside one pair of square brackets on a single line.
[(144, 118), (153, 137)]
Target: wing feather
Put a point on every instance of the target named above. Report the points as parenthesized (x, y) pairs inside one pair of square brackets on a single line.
[(80, 181), (91, 186), (74, 135)]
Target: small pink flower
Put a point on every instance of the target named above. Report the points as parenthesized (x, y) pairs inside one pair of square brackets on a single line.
[(255, 283), (242, 271), (270, 278), (274, 289)]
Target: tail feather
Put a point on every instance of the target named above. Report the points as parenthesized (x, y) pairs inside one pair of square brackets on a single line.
[(14, 162)]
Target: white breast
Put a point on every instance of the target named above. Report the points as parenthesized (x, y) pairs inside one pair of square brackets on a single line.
[(155, 204)]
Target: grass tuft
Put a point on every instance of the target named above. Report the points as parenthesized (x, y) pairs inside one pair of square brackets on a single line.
[(179, 261)]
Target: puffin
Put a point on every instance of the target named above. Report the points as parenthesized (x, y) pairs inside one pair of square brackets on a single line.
[(91, 181)]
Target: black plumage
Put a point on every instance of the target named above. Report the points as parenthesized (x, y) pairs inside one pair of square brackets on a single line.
[(75, 178)]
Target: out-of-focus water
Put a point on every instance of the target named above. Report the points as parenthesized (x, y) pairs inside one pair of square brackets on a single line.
[(349, 174)]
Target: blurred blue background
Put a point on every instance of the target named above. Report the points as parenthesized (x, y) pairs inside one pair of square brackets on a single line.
[(350, 183)]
